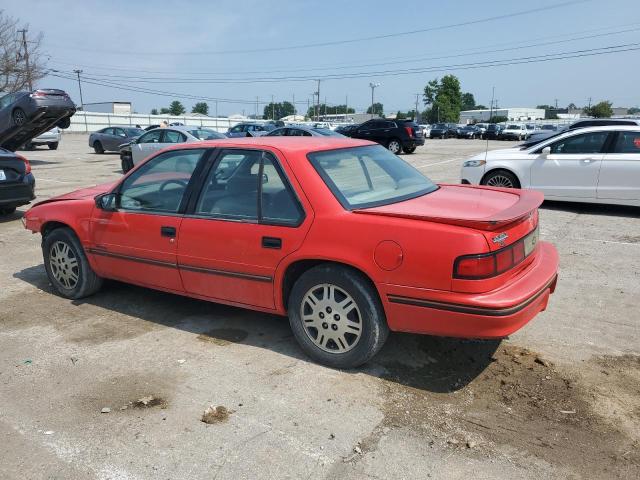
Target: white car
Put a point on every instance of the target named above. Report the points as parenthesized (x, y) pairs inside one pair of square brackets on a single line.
[(514, 131), (50, 138), (595, 165)]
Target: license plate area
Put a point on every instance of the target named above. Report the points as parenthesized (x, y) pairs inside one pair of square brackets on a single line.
[(531, 241)]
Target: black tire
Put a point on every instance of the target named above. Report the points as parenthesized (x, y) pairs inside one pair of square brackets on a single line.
[(126, 163), (19, 117), (53, 146), (87, 282), (7, 210), (500, 178), (370, 314), (409, 149), (97, 147), (394, 146), (64, 123)]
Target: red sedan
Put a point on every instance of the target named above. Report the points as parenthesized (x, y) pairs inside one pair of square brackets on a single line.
[(341, 235)]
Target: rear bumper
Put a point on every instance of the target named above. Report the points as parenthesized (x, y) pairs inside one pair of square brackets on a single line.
[(15, 194), (493, 314)]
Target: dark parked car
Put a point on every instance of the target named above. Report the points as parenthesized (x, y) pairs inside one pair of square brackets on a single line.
[(250, 130), (25, 115), (443, 130), (345, 129), (397, 135), (591, 122), (293, 131), (17, 184), (469, 131), (109, 139), (493, 131)]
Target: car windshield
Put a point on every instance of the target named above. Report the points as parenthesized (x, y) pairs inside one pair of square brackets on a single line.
[(513, 127), (134, 132), (206, 134), (326, 132), (369, 176)]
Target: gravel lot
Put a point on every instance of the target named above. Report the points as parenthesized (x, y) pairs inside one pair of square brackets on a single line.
[(559, 399)]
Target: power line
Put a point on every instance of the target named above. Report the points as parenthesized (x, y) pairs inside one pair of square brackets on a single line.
[(342, 42)]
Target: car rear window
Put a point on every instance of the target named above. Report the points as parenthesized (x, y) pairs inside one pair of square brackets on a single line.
[(369, 176)]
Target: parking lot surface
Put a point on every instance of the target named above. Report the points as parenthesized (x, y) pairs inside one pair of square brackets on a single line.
[(559, 399)]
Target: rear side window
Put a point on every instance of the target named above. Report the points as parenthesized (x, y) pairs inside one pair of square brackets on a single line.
[(171, 136), (627, 142)]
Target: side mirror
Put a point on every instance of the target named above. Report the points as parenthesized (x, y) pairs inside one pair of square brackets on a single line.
[(107, 202), (546, 150)]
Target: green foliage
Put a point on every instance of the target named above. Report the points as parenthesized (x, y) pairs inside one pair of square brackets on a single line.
[(378, 109), (634, 110), (468, 102), (176, 108), (154, 111), (498, 119), (444, 99), (201, 108), (164, 111), (572, 106), (277, 110), (481, 107), (600, 110)]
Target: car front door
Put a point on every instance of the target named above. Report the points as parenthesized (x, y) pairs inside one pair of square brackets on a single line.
[(137, 243), (571, 168), (620, 172), (366, 131), (246, 219), (146, 145), (118, 138)]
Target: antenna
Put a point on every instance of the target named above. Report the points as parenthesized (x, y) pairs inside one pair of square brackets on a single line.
[(493, 95)]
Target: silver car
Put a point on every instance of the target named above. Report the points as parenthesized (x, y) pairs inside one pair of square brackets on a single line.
[(51, 139), (159, 138), (109, 139)]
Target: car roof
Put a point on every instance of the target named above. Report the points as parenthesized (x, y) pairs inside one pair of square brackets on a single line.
[(581, 130)]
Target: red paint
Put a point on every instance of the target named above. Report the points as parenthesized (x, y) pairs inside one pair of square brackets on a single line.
[(407, 249)]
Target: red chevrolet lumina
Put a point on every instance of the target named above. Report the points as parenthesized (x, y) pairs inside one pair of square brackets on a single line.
[(341, 235)]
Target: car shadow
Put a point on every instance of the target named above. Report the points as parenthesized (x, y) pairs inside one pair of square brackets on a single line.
[(434, 364), (35, 163), (17, 215), (593, 209)]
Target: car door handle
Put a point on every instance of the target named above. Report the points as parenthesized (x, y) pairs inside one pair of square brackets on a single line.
[(168, 232), (272, 242)]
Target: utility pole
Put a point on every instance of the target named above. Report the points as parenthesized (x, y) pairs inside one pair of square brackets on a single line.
[(318, 102), (346, 107), (273, 109), (293, 97), (26, 57), (78, 72), (256, 108), (417, 117), (373, 87)]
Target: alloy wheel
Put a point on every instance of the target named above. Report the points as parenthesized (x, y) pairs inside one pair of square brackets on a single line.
[(331, 318), (64, 264), (19, 117), (394, 146), (500, 181)]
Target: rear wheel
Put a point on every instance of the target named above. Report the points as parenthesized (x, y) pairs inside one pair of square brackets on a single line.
[(97, 147), (53, 146), (67, 266), (19, 117), (500, 178), (409, 149), (126, 163), (64, 123), (7, 210), (394, 146), (337, 317)]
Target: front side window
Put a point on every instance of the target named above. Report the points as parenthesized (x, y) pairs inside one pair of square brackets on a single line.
[(237, 129), (627, 142), (119, 132), (151, 137), (160, 184), (370, 176), (246, 185), (585, 143)]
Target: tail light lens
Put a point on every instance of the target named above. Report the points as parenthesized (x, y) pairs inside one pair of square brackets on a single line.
[(487, 265), (409, 131), (27, 165), (38, 93)]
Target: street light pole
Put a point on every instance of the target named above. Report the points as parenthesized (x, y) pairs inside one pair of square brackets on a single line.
[(373, 87)]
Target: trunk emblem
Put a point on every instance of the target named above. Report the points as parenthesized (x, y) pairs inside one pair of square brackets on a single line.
[(500, 239)]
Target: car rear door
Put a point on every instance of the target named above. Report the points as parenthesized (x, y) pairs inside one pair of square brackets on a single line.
[(620, 172), (572, 168), (247, 218), (138, 242)]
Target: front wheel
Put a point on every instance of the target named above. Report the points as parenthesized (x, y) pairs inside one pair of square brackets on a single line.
[(19, 117), (500, 178), (337, 317), (394, 146), (67, 266), (53, 146), (126, 163)]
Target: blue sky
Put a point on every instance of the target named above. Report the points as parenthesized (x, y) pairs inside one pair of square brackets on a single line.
[(176, 41)]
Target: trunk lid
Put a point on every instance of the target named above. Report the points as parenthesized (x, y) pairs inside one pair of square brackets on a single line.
[(504, 215)]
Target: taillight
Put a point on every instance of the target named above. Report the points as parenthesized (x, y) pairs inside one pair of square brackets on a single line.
[(486, 265), (409, 131), (27, 165), (38, 93)]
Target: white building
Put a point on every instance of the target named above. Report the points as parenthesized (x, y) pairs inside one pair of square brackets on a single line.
[(109, 107), (512, 114)]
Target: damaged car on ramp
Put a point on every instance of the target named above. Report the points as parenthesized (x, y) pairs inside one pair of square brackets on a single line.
[(342, 236)]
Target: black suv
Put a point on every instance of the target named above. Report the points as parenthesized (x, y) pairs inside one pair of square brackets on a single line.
[(493, 131), (396, 135)]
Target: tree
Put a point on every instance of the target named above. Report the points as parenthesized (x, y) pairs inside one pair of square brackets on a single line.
[(278, 110), (600, 110), (572, 106), (481, 107), (444, 99), (154, 111), (378, 109), (468, 102), (634, 110), (164, 111), (201, 107), (176, 108), (14, 75)]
